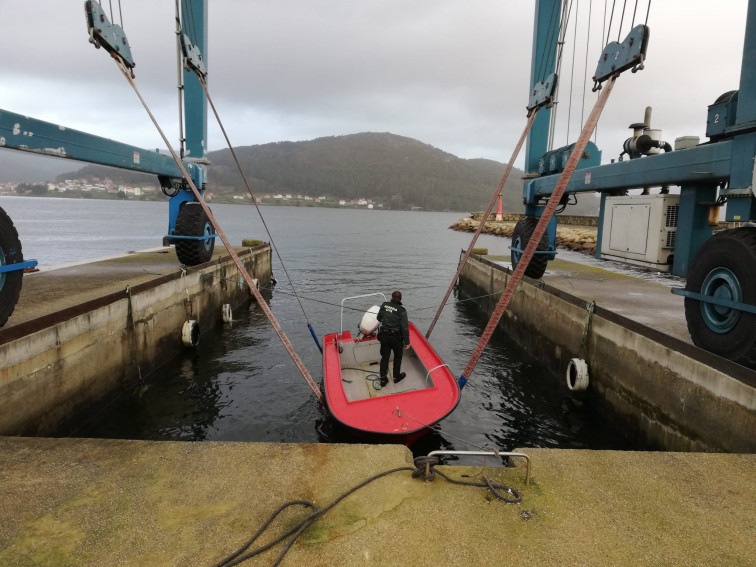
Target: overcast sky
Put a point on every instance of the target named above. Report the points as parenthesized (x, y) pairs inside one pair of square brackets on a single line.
[(450, 73)]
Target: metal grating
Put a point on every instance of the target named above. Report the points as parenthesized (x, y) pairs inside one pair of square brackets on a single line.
[(671, 239), (671, 217)]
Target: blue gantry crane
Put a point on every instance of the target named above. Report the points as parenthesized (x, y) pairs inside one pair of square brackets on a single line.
[(661, 230), (189, 229), (658, 229)]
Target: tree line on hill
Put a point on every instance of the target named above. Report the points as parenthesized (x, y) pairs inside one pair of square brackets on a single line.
[(395, 171)]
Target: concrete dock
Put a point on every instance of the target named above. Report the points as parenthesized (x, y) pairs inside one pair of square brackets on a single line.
[(107, 502), (645, 375), (645, 302), (61, 287), (80, 332), (113, 502)]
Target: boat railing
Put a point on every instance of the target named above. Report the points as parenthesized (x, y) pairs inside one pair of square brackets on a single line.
[(427, 376)]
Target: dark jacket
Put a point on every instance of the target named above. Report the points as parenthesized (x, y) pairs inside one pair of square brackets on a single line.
[(393, 317)]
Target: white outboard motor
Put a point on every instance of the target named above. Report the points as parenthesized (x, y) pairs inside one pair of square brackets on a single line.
[(369, 322)]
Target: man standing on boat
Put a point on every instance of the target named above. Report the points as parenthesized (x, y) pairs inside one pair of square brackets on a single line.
[(393, 334)]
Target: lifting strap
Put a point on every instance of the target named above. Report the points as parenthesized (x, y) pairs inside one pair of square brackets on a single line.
[(242, 270), (201, 78), (539, 230), (483, 220)]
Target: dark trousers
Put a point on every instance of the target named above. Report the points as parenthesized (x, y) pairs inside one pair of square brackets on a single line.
[(391, 343)]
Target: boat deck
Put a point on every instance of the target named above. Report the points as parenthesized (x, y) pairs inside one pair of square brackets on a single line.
[(400, 411), (360, 372)]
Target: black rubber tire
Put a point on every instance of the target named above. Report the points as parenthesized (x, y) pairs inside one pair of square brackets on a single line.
[(192, 221), (523, 230), (725, 265), (10, 253)]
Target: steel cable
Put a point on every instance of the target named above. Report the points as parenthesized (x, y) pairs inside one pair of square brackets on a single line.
[(254, 201), (540, 229), (483, 220), (245, 274)]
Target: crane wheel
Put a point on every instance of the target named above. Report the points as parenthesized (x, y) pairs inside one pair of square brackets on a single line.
[(724, 268), (523, 230), (192, 221), (10, 253)]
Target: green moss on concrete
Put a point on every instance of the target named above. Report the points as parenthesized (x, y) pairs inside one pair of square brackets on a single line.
[(99, 502)]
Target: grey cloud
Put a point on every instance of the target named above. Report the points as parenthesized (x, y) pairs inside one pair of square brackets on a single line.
[(449, 73)]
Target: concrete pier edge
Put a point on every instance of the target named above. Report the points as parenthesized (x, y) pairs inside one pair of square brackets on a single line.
[(92, 340), (110, 502), (667, 392)]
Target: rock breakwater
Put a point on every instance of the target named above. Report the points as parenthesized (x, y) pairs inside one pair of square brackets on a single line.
[(578, 238)]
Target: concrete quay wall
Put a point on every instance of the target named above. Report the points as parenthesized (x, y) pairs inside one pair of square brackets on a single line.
[(55, 366), (671, 394)]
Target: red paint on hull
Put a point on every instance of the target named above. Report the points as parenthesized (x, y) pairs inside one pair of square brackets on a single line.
[(397, 417)]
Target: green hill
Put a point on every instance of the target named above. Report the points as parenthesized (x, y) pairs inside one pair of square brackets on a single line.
[(396, 171)]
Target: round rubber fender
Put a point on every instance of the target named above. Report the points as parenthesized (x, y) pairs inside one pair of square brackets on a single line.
[(577, 375), (227, 314), (190, 333)]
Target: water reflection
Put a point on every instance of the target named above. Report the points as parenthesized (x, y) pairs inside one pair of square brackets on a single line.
[(241, 385)]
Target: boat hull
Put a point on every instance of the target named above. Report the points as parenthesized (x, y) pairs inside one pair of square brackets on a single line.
[(396, 413)]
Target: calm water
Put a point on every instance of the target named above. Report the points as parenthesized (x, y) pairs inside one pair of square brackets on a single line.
[(241, 385)]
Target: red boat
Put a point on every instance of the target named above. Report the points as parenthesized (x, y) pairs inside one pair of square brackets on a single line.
[(400, 412)]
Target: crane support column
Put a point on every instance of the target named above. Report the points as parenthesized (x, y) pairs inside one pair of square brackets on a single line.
[(194, 14), (545, 36), (741, 198), (693, 222)]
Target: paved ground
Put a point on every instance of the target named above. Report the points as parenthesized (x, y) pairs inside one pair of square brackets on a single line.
[(53, 289), (646, 302), (106, 502)]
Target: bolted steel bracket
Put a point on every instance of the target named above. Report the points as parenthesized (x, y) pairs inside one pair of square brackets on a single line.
[(618, 57), (110, 36)]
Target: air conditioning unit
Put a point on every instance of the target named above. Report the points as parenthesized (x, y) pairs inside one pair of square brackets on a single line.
[(641, 230)]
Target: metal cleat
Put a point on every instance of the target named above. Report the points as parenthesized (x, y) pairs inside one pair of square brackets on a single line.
[(618, 57), (192, 56), (110, 36), (543, 93)]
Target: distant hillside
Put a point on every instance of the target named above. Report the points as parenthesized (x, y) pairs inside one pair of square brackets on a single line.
[(27, 167), (395, 171)]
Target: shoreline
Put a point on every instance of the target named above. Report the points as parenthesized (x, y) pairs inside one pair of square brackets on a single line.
[(577, 238)]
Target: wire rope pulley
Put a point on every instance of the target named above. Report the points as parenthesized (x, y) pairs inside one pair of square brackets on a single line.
[(618, 57), (543, 93), (109, 36)]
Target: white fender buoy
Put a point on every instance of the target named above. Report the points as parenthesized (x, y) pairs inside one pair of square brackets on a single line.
[(228, 317), (577, 375), (190, 333)]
